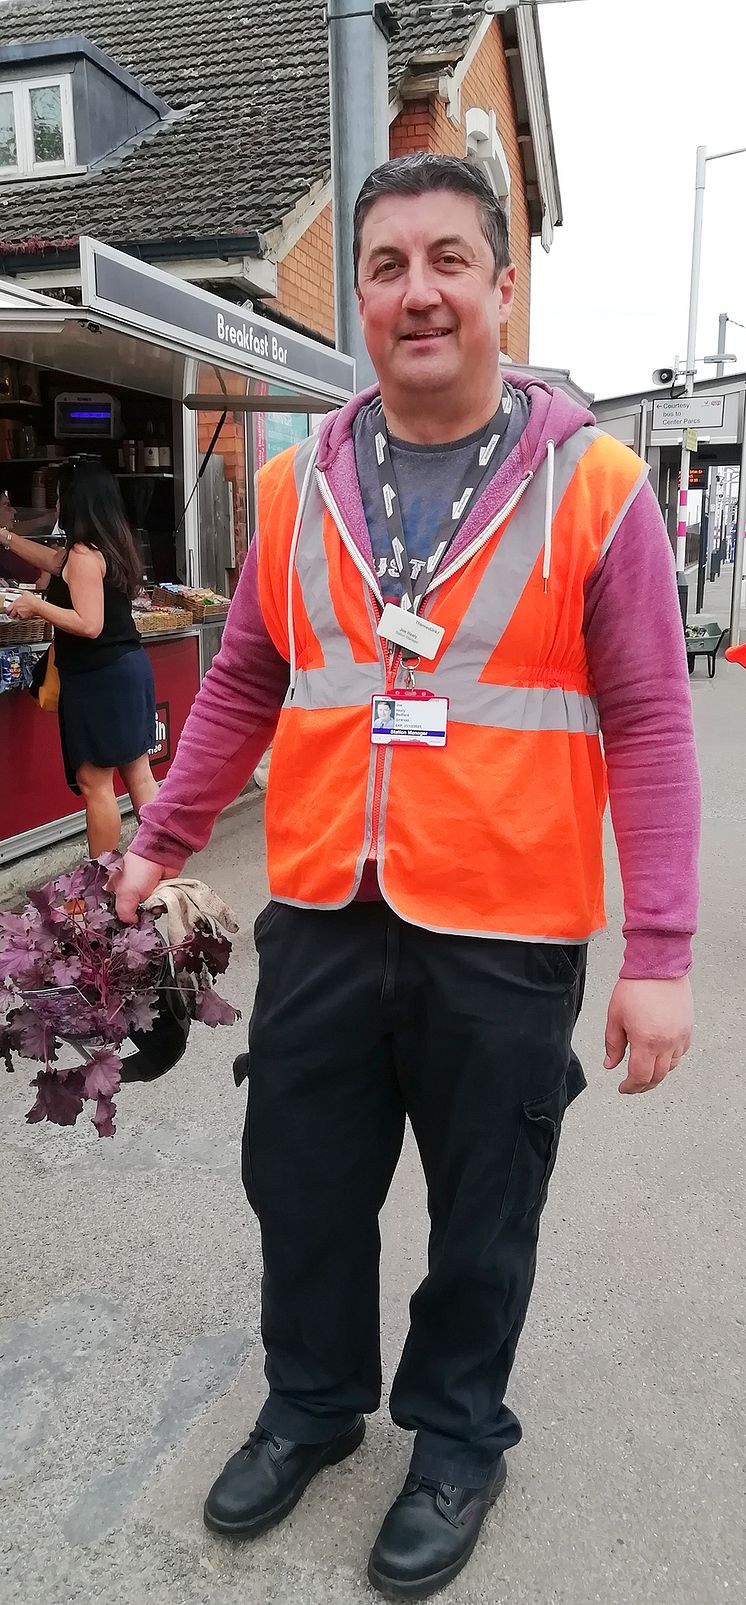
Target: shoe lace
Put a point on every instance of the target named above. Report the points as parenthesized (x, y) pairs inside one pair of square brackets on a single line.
[(445, 1489), (256, 1436)]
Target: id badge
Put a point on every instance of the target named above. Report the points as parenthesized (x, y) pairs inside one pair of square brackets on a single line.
[(407, 630), (409, 719)]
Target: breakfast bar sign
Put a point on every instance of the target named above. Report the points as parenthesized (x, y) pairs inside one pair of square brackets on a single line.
[(206, 326)]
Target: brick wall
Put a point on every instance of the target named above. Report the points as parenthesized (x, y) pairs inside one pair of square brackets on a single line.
[(305, 287), (305, 278)]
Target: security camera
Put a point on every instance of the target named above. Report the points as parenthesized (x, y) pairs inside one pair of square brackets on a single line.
[(664, 376)]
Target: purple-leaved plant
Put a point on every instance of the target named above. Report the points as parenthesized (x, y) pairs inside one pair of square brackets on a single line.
[(70, 972)]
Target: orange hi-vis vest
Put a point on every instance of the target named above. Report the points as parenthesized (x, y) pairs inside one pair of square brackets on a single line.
[(499, 833)]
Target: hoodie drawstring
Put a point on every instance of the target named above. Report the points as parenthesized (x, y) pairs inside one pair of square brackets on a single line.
[(302, 499), (548, 516)]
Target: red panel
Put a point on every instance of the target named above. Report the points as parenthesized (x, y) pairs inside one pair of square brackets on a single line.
[(33, 789)]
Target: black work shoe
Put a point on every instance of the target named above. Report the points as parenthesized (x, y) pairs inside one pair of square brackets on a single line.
[(429, 1534), (264, 1480)]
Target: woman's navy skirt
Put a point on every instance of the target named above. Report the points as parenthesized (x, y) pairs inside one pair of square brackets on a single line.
[(107, 716)]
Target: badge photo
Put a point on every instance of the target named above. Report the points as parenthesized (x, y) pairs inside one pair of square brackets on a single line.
[(409, 719)]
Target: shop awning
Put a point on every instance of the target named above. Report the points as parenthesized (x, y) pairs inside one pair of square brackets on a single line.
[(70, 340), (139, 327)]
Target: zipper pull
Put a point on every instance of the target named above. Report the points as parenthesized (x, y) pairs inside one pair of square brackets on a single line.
[(409, 665)]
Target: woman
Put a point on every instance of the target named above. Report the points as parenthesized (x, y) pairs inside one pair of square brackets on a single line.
[(107, 696)]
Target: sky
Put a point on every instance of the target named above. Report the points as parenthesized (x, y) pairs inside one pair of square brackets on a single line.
[(634, 87)]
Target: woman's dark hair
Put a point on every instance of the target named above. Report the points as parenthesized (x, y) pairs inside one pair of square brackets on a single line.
[(424, 172), (92, 514)]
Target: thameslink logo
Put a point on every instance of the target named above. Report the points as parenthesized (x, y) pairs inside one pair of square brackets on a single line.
[(258, 342)]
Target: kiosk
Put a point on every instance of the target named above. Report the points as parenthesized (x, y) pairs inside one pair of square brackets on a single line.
[(183, 396)]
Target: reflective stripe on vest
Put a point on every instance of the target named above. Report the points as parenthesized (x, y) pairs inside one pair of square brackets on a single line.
[(313, 574)]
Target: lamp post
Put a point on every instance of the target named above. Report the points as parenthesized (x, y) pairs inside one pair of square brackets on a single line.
[(691, 365)]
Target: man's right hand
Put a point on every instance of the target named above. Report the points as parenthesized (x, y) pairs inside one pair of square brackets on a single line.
[(136, 882)]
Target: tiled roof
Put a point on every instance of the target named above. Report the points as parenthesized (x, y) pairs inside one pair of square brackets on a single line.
[(252, 78)]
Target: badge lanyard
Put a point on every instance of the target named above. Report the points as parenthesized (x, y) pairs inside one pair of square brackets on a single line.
[(478, 471)]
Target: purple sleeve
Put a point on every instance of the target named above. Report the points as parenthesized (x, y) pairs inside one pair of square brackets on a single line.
[(638, 664), (230, 726)]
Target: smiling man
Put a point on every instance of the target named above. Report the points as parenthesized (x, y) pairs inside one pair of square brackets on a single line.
[(479, 556)]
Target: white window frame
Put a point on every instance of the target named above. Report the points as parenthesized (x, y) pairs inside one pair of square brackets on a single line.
[(26, 166)]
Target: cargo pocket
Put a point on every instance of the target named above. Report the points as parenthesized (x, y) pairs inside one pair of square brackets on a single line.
[(536, 1144)]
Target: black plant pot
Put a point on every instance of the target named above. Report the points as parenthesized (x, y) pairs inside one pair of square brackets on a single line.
[(158, 1050)]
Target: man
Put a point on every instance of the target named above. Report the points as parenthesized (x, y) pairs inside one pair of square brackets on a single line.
[(479, 548), (383, 713)]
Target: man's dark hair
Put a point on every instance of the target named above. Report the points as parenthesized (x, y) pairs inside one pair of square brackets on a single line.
[(423, 173)]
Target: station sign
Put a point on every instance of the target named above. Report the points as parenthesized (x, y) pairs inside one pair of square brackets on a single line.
[(689, 412)]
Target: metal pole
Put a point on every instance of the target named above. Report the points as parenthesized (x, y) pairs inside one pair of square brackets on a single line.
[(704, 525), (699, 206), (359, 34), (691, 364), (738, 558), (722, 337)]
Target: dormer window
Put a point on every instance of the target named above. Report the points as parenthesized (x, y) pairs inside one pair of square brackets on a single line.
[(37, 135)]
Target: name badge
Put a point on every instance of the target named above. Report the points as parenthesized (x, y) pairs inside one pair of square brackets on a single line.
[(407, 630), (409, 719)]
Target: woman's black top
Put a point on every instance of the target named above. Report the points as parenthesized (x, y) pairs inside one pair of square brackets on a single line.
[(76, 653)]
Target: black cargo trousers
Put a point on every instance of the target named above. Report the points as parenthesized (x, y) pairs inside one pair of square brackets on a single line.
[(359, 1021)]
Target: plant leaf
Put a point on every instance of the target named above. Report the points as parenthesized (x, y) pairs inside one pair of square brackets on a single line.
[(141, 1012), (202, 947), (103, 1119), (19, 964), (58, 1098), (110, 862), (35, 1036), (44, 900), (103, 1075), (138, 943), (7, 1044), (73, 885), (213, 1010), (67, 970)]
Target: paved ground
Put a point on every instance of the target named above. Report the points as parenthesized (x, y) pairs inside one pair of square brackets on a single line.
[(131, 1361)]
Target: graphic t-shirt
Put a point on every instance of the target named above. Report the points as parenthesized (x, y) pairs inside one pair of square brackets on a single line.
[(427, 478)]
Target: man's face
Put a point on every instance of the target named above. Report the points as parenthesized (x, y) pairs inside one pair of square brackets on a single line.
[(430, 302)]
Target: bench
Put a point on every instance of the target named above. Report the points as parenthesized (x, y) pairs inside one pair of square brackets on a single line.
[(704, 641)]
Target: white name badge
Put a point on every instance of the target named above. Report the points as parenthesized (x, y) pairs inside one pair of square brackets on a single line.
[(407, 630), (409, 719)]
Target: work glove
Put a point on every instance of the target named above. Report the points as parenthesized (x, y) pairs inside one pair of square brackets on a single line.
[(186, 904)]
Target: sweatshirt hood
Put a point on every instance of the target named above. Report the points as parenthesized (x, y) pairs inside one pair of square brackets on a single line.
[(553, 419), (553, 416)]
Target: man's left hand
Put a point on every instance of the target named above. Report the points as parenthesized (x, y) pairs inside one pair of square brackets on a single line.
[(25, 605), (654, 1019)]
